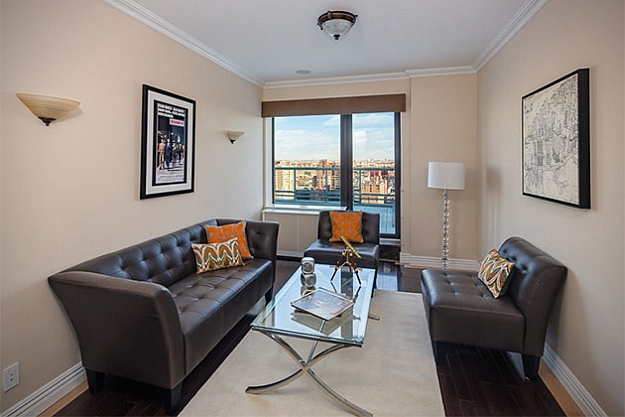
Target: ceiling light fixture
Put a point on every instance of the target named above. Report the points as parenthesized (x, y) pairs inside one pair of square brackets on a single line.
[(336, 23)]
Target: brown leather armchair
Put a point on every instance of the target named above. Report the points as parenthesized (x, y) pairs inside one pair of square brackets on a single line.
[(461, 309), (326, 252)]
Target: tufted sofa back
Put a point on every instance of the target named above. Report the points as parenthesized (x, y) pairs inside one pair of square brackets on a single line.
[(167, 259), (162, 260), (534, 285)]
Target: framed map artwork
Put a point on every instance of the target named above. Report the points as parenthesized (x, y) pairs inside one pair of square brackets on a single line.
[(556, 141)]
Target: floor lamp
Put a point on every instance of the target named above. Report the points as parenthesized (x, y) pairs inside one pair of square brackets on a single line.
[(446, 176)]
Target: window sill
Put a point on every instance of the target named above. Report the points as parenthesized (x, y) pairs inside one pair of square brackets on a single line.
[(299, 209)]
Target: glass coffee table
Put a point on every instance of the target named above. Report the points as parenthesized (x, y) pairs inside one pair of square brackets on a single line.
[(280, 319)]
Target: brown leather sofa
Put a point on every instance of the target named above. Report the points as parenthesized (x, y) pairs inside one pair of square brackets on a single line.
[(326, 252), (144, 314), (461, 309)]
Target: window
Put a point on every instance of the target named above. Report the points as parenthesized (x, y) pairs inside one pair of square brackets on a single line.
[(339, 160), (307, 160)]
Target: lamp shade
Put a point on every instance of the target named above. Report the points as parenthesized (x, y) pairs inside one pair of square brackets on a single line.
[(48, 109), (233, 135), (446, 175)]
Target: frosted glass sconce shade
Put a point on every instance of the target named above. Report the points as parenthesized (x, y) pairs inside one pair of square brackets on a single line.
[(48, 109), (233, 135)]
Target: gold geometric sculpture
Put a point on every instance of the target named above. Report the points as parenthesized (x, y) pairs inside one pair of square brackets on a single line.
[(347, 259)]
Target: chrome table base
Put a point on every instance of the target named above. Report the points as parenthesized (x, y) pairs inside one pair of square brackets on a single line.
[(305, 368)]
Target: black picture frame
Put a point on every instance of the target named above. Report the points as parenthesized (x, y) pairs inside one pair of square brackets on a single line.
[(556, 140), (167, 143)]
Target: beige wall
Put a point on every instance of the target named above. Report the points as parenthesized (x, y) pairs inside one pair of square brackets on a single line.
[(439, 125), (443, 129), (587, 330), (70, 191)]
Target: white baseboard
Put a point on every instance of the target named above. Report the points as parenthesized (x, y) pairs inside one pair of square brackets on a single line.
[(571, 384), (46, 396), (425, 262)]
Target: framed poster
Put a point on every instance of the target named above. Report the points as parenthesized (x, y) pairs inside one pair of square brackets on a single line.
[(167, 143), (556, 141)]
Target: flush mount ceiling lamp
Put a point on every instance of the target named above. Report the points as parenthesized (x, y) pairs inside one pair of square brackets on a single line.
[(48, 109), (336, 23)]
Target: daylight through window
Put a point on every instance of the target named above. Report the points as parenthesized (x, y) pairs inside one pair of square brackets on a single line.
[(339, 160)]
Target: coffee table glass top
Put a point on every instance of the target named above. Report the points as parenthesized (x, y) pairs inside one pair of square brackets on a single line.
[(280, 317)]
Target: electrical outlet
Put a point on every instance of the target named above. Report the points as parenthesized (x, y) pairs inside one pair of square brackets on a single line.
[(11, 376)]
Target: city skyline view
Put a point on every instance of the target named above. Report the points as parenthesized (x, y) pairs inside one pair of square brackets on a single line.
[(307, 163), (317, 138)]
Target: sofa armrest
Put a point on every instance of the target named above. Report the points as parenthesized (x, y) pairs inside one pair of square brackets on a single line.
[(124, 327), (535, 284), (262, 238)]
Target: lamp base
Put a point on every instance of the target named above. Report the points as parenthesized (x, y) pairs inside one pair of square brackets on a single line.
[(444, 258)]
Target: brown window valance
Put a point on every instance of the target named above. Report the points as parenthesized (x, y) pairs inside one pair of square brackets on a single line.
[(336, 105)]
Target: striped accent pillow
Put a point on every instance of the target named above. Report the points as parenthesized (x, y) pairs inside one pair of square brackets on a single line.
[(494, 272), (212, 256)]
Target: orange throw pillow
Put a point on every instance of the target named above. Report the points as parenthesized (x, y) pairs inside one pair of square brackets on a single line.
[(218, 234), (346, 224)]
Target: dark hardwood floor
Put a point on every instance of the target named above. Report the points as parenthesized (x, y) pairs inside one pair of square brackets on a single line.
[(473, 381)]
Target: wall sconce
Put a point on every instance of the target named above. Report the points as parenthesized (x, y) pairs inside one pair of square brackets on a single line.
[(48, 109), (233, 135)]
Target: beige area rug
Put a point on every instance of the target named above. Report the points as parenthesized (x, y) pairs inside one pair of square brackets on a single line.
[(393, 374)]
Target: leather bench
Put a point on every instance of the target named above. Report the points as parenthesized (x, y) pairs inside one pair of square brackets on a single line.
[(461, 309)]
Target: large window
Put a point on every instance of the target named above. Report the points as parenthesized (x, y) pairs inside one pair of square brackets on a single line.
[(339, 160)]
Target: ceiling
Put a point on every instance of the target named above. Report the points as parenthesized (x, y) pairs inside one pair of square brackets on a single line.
[(267, 41)]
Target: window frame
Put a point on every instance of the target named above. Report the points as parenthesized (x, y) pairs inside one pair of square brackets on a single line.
[(347, 167)]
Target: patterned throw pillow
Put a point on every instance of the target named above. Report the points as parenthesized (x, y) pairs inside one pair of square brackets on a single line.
[(212, 256), (347, 224), (494, 272), (226, 232)]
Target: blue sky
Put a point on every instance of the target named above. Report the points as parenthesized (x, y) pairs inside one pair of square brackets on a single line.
[(317, 137)]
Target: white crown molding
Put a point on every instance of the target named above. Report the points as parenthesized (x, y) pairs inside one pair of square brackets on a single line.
[(337, 80), (140, 13), (521, 17), (162, 26), (433, 72)]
